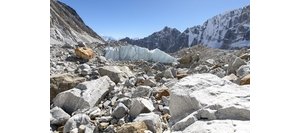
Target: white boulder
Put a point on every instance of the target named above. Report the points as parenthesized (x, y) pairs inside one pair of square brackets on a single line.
[(84, 95)]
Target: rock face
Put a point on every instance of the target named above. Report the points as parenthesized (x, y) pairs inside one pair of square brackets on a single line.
[(228, 30), (84, 95), (207, 91), (66, 26), (63, 82), (116, 73), (134, 53)]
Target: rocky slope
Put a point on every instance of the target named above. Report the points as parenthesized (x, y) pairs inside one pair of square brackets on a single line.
[(66, 26), (229, 30), (202, 93)]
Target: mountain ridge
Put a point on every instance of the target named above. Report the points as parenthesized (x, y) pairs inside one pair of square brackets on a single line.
[(227, 30)]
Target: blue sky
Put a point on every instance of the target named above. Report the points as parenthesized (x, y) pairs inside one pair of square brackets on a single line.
[(140, 18)]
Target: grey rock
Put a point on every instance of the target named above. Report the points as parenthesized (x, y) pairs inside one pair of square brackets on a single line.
[(105, 118), (235, 65), (243, 71), (169, 73), (58, 116), (165, 100), (84, 95), (120, 111), (142, 91), (201, 91), (150, 82), (121, 121), (84, 66), (84, 72), (218, 126), (166, 110), (218, 71), (140, 105), (130, 82), (152, 121), (116, 73), (77, 120), (68, 45), (182, 124)]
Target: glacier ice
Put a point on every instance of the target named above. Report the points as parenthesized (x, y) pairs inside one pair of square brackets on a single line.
[(133, 53)]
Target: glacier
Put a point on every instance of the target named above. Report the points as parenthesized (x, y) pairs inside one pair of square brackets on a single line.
[(134, 53)]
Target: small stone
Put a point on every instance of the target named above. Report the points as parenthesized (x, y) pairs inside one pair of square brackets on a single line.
[(142, 91), (120, 111), (84, 72), (140, 105), (103, 125), (245, 80), (121, 122), (152, 121), (106, 103), (165, 100), (150, 82), (81, 128), (133, 127), (166, 110), (58, 116), (105, 119), (162, 93), (114, 121)]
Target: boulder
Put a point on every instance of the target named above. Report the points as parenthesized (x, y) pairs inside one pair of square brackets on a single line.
[(63, 82), (77, 120), (245, 80), (140, 105), (218, 126), (133, 127), (142, 91), (116, 73), (243, 70), (84, 53), (58, 116), (202, 91), (152, 121), (120, 111), (233, 66), (84, 95)]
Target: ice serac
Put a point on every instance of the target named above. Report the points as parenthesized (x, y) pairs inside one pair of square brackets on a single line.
[(134, 53)]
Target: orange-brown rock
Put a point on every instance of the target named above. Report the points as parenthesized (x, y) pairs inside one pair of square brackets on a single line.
[(162, 93), (133, 127), (245, 80), (85, 53)]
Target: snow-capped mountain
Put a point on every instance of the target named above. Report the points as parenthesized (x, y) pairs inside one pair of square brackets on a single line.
[(163, 40), (228, 30), (67, 26)]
